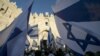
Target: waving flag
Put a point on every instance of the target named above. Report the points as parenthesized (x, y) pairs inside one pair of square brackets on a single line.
[(50, 40), (78, 10), (78, 24), (16, 36)]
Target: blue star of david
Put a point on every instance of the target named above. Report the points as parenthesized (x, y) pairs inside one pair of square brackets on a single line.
[(82, 43)]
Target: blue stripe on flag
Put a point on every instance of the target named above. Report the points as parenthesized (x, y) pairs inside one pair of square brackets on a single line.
[(6, 47), (80, 11), (76, 12), (29, 10), (16, 32), (3, 51)]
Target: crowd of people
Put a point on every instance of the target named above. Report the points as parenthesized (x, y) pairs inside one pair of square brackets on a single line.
[(52, 50), (58, 52), (47, 52), (89, 53)]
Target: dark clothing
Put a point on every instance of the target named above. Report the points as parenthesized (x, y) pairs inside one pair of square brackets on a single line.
[(38, 53), (59, 53)]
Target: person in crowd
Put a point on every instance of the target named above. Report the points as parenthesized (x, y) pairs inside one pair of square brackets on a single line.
[(66, 53), (47, 52), (59, 52), (51, 53), (38, 53), (89, 53), (32, 53), (97, 53)]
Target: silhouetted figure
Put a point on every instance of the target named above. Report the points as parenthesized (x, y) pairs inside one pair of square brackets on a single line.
[(97, 53), (46, 52), (89, 53), (51, 53), (59, 52), (37, 53)]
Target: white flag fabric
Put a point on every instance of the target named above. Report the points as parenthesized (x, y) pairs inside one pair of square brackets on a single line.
[(14, 44), (78, 24), (77, 10)]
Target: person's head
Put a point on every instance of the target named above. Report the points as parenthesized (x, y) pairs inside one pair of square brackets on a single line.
[(50, 51), (59, 49), (89, 53), (97, 53)]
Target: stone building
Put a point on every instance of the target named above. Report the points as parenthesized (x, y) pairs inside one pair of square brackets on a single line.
[(8, 12), (44, 22)]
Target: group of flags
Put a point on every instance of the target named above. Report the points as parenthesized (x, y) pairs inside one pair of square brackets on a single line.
[(13, 37)]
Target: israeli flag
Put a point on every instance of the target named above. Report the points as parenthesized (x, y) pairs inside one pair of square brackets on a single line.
[(15, 35), (50, 39), (78, 24), (77, 10), (33, 31)]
